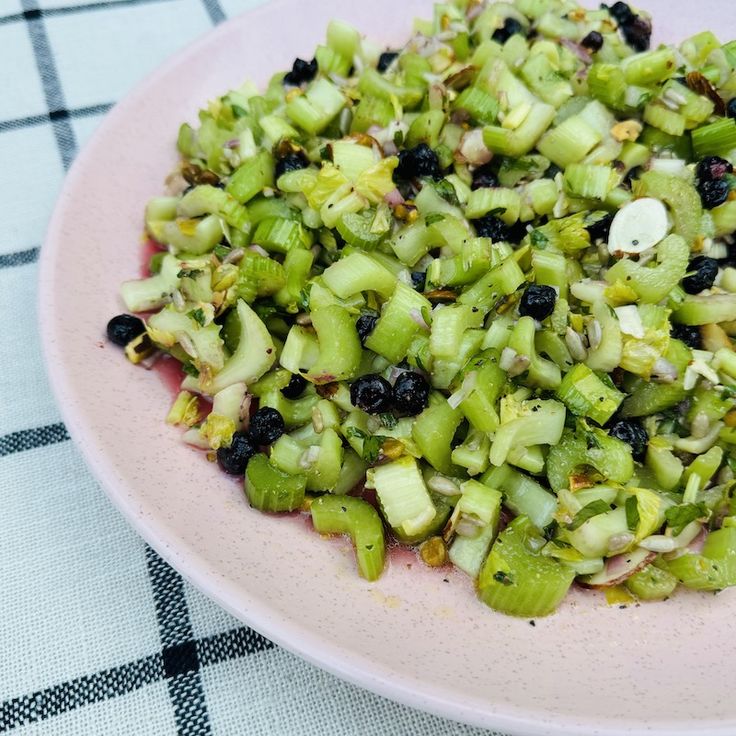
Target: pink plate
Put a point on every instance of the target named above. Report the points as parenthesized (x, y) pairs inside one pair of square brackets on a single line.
[(417, 636)]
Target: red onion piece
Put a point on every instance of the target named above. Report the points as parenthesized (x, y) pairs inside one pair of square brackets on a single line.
[(417, 317), (257, 249), (578, 50), (394, 198)]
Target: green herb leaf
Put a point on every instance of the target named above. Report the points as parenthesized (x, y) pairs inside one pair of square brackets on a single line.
[(445, 189), (355, 432), (372, 447), (198, 316), (538, 239), (221, 251), (678, 517), (433, 217), (190, 369), (594, 508), (238, 111), (560, 544), (372, 443), (503, 577), (388, 420), (632, 513)]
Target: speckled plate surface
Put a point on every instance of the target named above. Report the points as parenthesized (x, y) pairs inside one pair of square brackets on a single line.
[(415, 636)]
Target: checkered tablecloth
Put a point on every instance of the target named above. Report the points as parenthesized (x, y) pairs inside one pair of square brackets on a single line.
[(97, 634)]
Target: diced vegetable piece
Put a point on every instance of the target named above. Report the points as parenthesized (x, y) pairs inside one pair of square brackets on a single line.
[(359, 520), (270, 489), (518, 581), (403, 496), (587, 395)]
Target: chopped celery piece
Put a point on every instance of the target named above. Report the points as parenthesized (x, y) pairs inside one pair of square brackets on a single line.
[(523, 494), (652, 583), (339, 346), (403, 496), (314, 110), (169, 328), (488, 380), (399, 322), (521, 140), (252, 177), (714, 568), (505, 202), (359, 520), (587, 395), (589, 181), (143, 295), (705, 309), (254, 356), (716, 139), (357, 272), (270, 489), (433, 431), (193, 237), (532, 422), (469, 553), (518, 581), (652, 397), (540, 372), (652, 284), (681, 198), (588, 448), (480, 106)]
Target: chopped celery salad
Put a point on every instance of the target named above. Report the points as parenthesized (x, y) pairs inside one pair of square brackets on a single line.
[(475, 296)]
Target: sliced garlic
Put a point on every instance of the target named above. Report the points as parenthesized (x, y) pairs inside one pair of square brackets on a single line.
[(638, 226), (630, 321)]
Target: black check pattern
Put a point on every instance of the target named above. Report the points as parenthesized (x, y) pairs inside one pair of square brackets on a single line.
[(182, 656)]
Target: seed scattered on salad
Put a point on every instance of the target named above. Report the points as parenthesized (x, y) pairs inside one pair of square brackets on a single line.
[(475, 295)]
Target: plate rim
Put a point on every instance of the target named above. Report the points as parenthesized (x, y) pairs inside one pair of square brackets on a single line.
[(288, 633)]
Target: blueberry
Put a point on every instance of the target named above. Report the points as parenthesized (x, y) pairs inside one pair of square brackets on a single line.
[(385, 60), (301, 71), (511, 26), (552, 171), (124, 328), (483, 176), (295, 388), (621, 12), (713, 192), (633, 434), (537, 301), (600, 229), (689, 334), (702, 272), (712, 168), (731, 108), (371, 393), (291, 162), (416, 162), (593, 41), (266, 426), (410, 394), (638, 33), (365, 325), (234, 459), (418, 280), (490, 226)]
